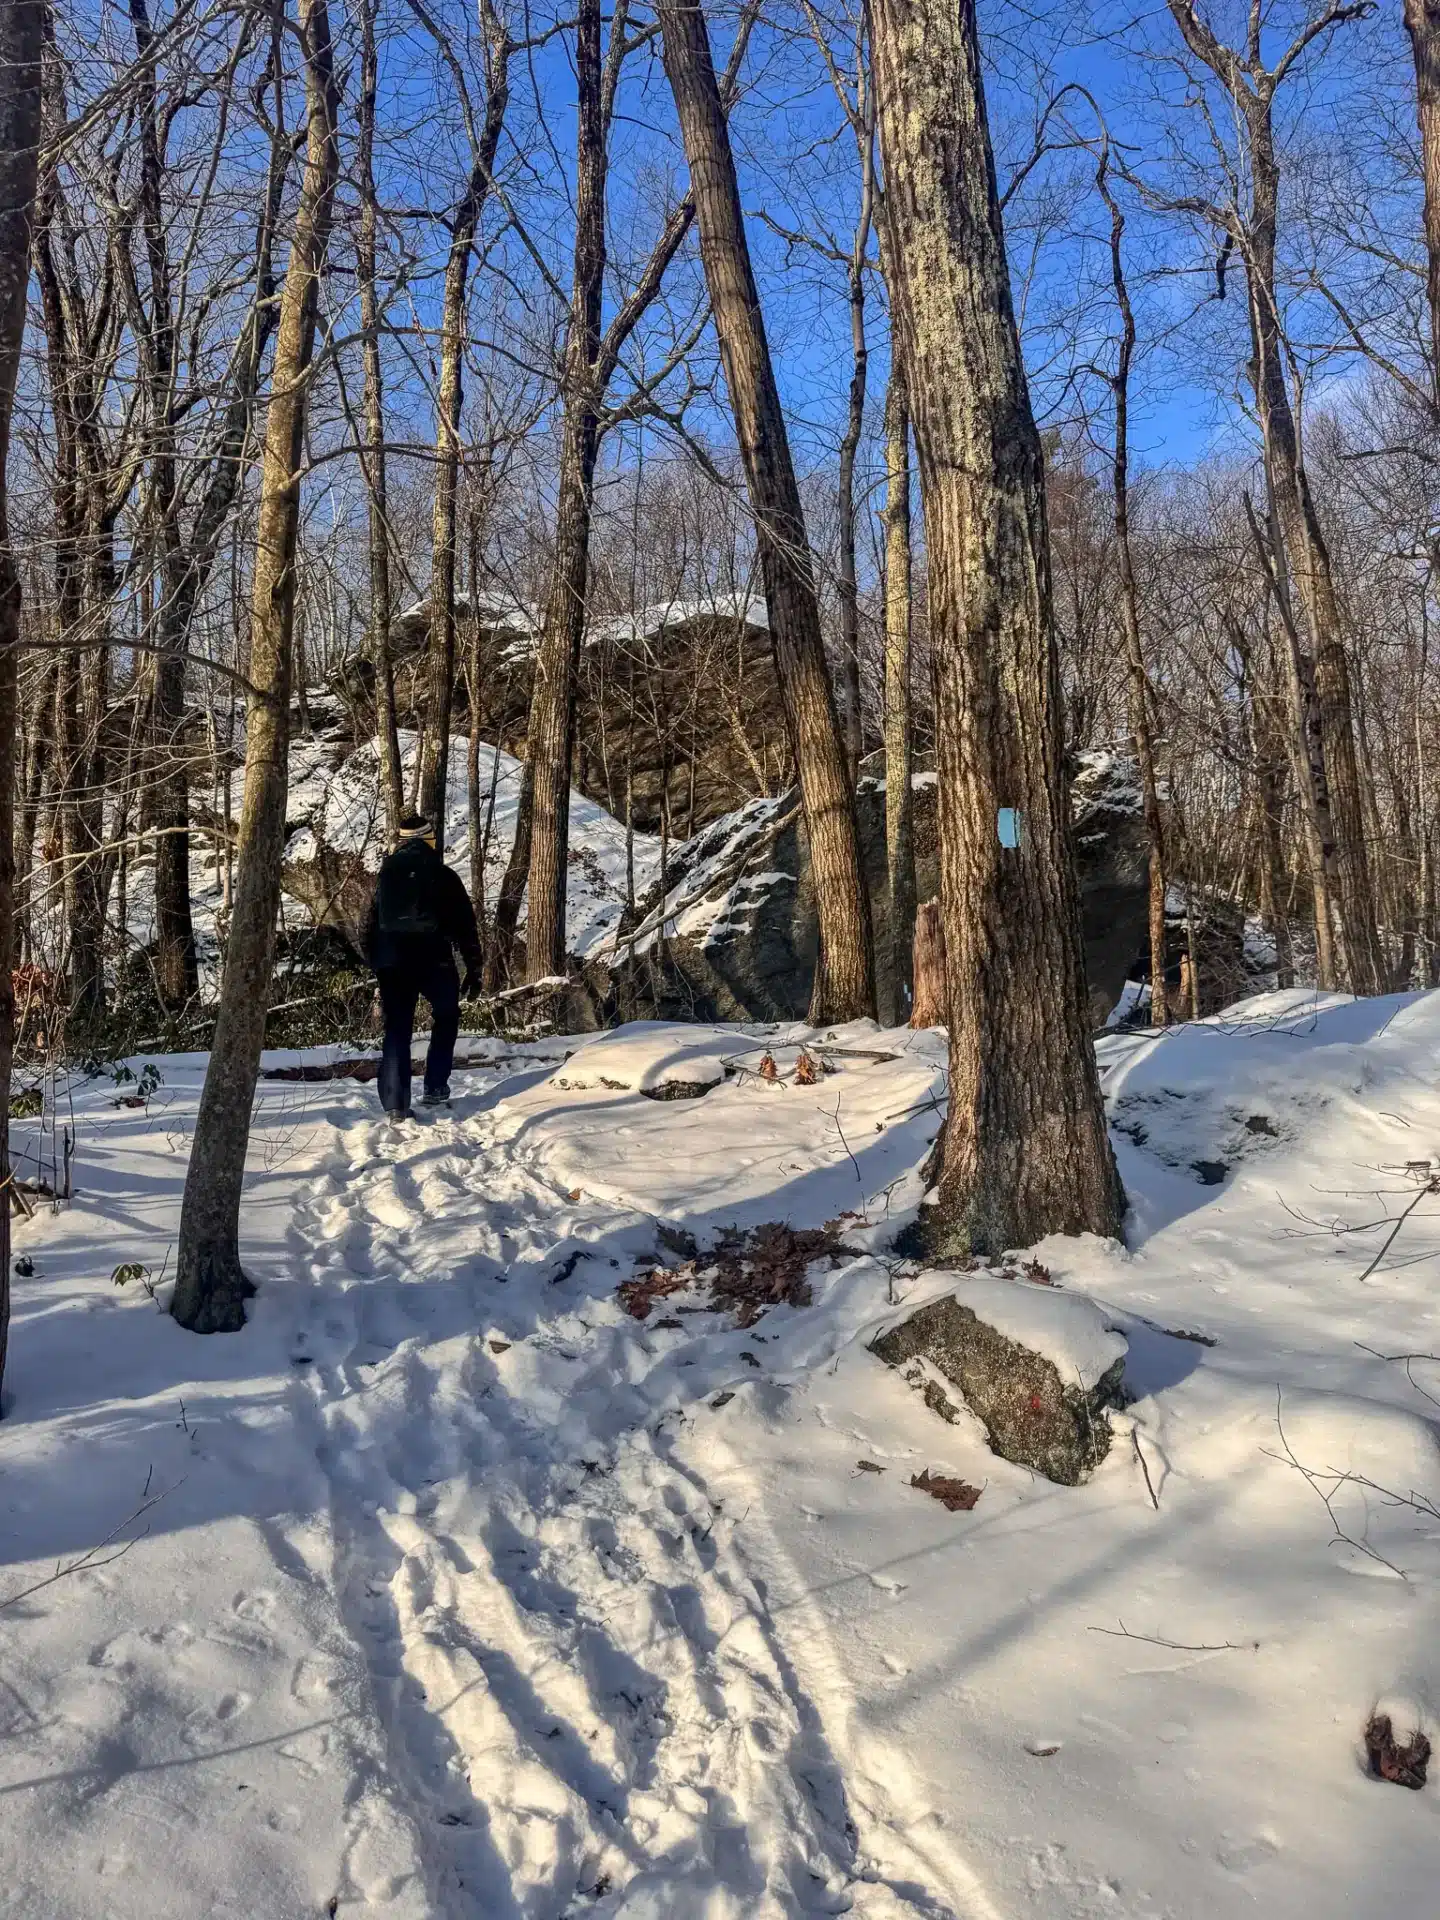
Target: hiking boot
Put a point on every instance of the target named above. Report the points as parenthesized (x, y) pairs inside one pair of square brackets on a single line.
[(435, 1097)]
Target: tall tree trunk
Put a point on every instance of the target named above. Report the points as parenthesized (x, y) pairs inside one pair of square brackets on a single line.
[(1306, 743), (1252, 87), (1026, 1151), (845, 977), (552, 710), (211, 1287), (551, 739), (78, 321), (849, 446), (373, 461), (1130, 602), (20, 43), (899, 727), (176, 971), (185, 565), (1422, 22), (1361, 958), (435, 751)]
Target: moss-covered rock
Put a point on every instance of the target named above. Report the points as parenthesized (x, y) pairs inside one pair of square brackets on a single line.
[(1031, 1414)]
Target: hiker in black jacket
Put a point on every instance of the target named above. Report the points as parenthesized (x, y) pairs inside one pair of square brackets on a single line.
[(419, 915)]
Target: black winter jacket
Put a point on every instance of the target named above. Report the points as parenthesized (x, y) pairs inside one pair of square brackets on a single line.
[(419, 912)]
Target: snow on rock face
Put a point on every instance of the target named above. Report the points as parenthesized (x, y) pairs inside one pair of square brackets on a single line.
[(649, 1056), (1037, 1367), (1066, 1329)]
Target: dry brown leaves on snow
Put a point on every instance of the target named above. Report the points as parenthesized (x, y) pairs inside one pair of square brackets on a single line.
[(746, 1272), (639, 1295), (956, 1496), (1402, 1766)]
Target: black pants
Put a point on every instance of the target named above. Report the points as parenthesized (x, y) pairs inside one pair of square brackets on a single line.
[(400, 988)]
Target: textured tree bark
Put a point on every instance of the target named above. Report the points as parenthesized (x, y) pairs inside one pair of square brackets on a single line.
[(1026, 1151), (899, 729), (552, 709), (373, 460), (931, 1008), (1265, 758), (1422, 22), (844, 979), (1305, 742), (435, 758), (1130, 603), (211, 1286), (20, 44)]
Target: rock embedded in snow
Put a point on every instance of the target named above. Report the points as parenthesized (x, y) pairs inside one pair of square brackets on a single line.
[(661, 1059), (1037, 1367)]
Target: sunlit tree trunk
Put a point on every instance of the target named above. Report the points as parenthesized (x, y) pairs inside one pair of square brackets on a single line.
[(899, 724), (211, 1287), (1025, 1151), (844, 980)]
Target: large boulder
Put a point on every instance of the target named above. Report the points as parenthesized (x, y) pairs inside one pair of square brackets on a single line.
[(1038, 1367), (734, 933)]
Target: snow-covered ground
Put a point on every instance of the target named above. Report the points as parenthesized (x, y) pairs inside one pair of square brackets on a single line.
[(465, 1593), (333, 797)]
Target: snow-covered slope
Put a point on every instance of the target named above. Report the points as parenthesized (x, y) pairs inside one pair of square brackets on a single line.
[(335, 798), (470, 1594), (341, 806)]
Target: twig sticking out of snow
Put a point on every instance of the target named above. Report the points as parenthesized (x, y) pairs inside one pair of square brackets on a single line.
[(1417, 1502), (1144, 1468), (1122, 1632), (1407, 1360), (1432, 1185), (89, 1560)]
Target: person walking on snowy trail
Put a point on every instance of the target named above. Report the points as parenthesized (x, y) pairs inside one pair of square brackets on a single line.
[(419, 915)]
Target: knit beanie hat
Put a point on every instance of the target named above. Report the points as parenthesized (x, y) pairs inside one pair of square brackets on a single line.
[(414, 826)]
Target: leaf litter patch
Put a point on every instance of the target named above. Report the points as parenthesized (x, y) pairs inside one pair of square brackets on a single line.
[(746, 1273)]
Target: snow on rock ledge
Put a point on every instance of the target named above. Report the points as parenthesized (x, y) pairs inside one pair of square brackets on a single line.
[(662, 1059), (1037, 1366)]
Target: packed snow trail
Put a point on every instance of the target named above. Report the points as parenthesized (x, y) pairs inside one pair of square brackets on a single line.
[(580, 1684), (467, 1595)]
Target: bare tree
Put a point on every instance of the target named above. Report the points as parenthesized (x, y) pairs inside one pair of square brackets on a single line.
[(372, 458), (1251, 86), (1422, 23), (211, 1286), (1140, 694), (899, 725), (484, 145), (845, 975), (210, 490), (21, 26), (1025, 1151)]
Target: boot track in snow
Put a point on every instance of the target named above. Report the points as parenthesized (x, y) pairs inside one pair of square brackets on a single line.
[(586, 1704)]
